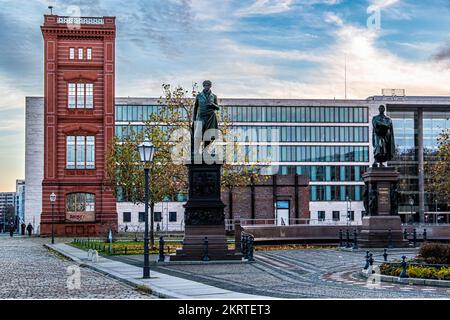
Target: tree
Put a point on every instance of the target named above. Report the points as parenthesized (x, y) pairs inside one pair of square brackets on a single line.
[(168, 129), (126, 173), (438, 170)]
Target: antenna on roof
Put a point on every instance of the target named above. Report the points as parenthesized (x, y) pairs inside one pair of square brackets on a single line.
[(51, 10), (345, 76)]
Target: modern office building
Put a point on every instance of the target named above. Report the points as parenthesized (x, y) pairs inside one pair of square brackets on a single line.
[(7, 200), (329, 141), (20, 201)]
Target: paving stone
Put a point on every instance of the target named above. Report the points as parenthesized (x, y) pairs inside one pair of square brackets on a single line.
[(28, 270)]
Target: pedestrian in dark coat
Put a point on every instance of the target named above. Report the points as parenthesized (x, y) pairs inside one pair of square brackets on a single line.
[(12, 228), (29, 229)]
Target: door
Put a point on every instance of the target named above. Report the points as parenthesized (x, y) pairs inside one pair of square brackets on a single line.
[(282, 212)]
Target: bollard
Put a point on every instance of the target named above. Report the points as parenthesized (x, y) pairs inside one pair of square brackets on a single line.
[(414, 238), (405, 234), (404, 265), (424, 235), (367, 261), (161, 249), (250, 248), (347, 234), (205, 250), (355, 239), (371, 262), (341, 242), (385, 255), (390, 244)]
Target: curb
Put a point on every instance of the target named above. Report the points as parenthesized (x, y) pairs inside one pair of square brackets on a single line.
[(160, 293)]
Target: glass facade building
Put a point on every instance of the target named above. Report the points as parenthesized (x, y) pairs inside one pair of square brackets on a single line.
[(330, 142)]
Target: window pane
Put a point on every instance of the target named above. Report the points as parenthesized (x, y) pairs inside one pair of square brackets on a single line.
[(81, 150), (80, 53), (89, 95), (70, 152), (89, 53), (80, 95), (71, 96), (90, 202), (70, 202), (90, 152)]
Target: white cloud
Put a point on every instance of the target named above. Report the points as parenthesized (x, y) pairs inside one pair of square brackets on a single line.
[(381, 4), (262, 7), (333, 18)]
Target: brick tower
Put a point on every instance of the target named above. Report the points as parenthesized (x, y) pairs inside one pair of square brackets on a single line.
[(79, 57)]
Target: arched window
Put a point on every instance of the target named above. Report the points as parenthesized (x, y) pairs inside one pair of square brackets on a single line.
[(80, 206)]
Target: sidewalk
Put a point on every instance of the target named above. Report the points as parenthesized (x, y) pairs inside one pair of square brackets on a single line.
[(160, 284)]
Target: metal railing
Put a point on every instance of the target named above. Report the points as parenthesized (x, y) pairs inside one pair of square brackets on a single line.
[(80, 20)]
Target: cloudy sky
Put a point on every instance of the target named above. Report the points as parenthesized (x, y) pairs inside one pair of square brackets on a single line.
[(249, 48)]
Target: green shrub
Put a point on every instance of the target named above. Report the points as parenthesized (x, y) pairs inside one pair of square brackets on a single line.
[(435, 253)]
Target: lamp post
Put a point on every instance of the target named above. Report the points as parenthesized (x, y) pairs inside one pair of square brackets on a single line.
[(146, 152), (411, 203), (52, 201), (436, 211)]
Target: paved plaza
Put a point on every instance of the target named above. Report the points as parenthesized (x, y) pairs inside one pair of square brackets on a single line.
[(310, 273), (30, 271)]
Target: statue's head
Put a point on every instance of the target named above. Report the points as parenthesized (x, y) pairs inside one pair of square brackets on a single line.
[(382, 109), (207, 85)]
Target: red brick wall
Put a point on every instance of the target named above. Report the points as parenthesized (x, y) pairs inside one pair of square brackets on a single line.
[(264, 198), (59, 121)]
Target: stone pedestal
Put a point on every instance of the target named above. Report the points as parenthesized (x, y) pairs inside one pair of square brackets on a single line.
[(204, 217), (382, 225)]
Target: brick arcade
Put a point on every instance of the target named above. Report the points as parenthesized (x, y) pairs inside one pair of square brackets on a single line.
[(79, 100)]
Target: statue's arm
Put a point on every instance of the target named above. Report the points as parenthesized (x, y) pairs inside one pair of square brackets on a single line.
[(216, 104)]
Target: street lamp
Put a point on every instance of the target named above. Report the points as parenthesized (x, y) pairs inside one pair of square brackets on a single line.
[(411, 203), (52, 201), (436, 211), (146, 153)]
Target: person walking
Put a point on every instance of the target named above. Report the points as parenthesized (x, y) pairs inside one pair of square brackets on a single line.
[(30, 229), (22, 228), (12, 228)]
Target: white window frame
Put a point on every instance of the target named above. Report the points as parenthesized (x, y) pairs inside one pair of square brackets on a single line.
[(80, 53), (72, 53), (89, 53)]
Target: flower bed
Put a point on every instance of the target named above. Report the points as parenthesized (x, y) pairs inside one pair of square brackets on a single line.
[(417, 271)]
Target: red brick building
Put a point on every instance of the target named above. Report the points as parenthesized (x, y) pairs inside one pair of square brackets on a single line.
[(79, 82), (284, 198)]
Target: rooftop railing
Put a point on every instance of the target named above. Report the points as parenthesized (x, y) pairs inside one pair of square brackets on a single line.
[(81, 20)]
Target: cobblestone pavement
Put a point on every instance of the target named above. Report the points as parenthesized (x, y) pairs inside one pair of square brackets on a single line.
[(30, 271), (312, 273)]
